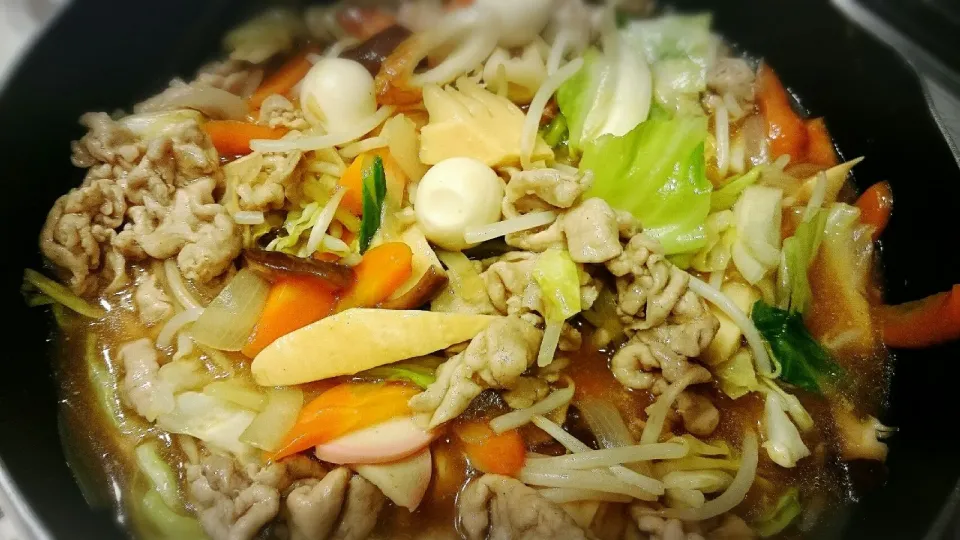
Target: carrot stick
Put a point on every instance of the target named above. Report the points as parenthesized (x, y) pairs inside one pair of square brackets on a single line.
[(820, 149), (381, 272), (352, 182), (232, 138), (283, 80), (923, 323), (786, 133), (293, 303), (876, 205), (492, 453), (343, 409)]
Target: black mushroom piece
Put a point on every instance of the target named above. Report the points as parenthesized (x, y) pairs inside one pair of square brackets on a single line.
[(372, 52), (274, 264)]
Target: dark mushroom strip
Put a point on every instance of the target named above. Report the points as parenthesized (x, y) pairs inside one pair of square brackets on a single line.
[(429, 286), (372, 52), (274, 264)]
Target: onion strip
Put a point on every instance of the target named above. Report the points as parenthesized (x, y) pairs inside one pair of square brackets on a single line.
[(321, 142), (605, 422), (228, 321), (476, 235), (609, 457), (179, 290), (323, 222), (365, 145), (520, 417), (649, 485), (757, 346), (566, 495), (176, 323), (735, 493), (528, 137)]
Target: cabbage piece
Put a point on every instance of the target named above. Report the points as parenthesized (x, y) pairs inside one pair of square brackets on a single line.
[(715, 255), (840, 314), (804, 362), (556, 274), (610, 95), (656, 172), (214, 421), (737, 376), (420, 375), (725, 197), (783, 443), (162, 478), (780, 516), (756, 251), (798, 252), (297, 226), (681, 49)]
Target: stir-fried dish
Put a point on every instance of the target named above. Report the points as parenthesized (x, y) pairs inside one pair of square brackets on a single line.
[(532, 269)]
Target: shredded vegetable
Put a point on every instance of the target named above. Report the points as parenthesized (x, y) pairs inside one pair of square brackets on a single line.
[(476, 235), (59, 294), (520, 417)]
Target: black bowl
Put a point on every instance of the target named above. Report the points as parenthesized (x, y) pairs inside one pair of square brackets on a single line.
[(102, 55)]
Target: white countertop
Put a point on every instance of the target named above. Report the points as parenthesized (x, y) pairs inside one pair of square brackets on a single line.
[(21, 20)]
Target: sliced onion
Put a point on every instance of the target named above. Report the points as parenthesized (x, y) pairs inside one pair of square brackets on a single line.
[(651, 486), (548, 345), (531, 123), (734, 495), (321, 142), (658, 411), (605, 422), (610, 457), (213, 102), (249, 217), (566, 495), (740, 319), (365, 145), (227, 322), (475, 235), (175, 281), (520, 417), (268, 429), (320, 227), (176, 323)]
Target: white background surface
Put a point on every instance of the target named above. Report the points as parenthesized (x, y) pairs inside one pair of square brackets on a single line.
[(20, 20)]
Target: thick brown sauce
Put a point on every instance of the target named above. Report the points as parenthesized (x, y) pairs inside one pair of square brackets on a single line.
[(101, 453)]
